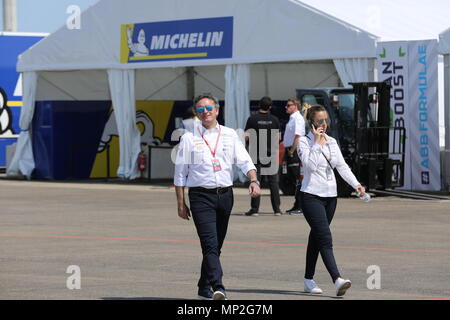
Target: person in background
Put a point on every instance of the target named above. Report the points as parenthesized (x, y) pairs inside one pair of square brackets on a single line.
[(204, 164), (295, 128), (190, 120), (320, 154), (304, 111), (265, 126)]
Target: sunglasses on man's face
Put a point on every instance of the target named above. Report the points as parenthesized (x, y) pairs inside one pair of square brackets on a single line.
[(290, 105), (201, 110)]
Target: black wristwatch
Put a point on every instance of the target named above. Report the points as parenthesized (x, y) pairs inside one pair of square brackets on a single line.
[(255, 181)]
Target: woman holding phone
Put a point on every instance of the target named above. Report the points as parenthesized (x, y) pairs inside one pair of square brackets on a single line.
[(320, 154)]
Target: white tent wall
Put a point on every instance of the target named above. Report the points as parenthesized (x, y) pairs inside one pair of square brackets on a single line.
[(277, 80), (22, 162), (92, 85), (161, 84), (355, 70), (210, 79), (83, 85)]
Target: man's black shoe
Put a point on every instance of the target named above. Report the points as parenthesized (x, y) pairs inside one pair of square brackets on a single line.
[(252, 213)]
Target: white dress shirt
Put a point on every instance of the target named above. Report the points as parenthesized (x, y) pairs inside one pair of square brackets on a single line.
[(194, 166), (295, 126), (318, 178)]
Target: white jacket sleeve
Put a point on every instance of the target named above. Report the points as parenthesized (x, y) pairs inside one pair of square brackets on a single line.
[(309, 155), (344, 170)]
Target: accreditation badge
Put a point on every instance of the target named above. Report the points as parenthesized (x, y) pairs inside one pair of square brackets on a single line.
[(216, 165)]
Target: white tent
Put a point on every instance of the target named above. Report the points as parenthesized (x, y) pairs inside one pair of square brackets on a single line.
[(255, 37), (444, 48), (264, 31)]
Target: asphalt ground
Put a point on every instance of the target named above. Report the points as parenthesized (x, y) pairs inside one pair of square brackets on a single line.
[(129, 243)]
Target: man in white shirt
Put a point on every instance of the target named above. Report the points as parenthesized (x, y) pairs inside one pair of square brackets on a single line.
[(295, 129), (204, 164)]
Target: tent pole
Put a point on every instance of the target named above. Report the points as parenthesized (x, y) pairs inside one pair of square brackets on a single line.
[(266, 80), (372, 71), (190, 83)]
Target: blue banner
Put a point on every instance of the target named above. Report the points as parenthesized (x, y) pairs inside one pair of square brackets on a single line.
[(11, 46), (210, 38)]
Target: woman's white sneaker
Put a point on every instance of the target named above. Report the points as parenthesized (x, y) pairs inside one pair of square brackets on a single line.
[(342, 286), (311, 287)]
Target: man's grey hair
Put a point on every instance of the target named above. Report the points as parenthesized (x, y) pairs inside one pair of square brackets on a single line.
[(207, 96)]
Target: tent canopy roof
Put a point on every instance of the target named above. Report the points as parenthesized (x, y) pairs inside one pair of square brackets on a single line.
[(262, 31), (391, 20)]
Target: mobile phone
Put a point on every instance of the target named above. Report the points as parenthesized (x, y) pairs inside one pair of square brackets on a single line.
[(312, 125)]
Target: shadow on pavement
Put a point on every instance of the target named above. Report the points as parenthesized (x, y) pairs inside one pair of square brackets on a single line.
[(142, 298), (283, 292)]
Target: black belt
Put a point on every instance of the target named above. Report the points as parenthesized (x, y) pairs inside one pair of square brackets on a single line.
[(215, 190)]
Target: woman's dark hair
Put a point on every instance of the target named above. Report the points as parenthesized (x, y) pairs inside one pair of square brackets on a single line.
[(313, 110)]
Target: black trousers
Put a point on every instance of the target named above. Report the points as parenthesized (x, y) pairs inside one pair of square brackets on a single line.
[(211, 213), (274, 191), (319, 213), (293, 170)]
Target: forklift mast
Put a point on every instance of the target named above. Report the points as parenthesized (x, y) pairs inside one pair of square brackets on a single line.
[(376, 165)]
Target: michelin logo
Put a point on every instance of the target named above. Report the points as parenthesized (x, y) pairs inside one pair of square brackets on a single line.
[(138, 48), (187, 40), (209, 38)]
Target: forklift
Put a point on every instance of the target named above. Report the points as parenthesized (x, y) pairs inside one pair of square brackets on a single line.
[(361, 123)]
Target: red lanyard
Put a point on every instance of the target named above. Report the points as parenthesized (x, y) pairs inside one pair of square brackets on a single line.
[(217, 143)]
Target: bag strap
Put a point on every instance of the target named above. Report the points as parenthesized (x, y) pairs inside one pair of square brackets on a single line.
[(329, 163), (327, 160)]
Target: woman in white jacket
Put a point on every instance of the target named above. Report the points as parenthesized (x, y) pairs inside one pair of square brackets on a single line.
[(320, 154)]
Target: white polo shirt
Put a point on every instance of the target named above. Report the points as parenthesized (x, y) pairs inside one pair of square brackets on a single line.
[(194, 162), (316, 180), (295, 126)]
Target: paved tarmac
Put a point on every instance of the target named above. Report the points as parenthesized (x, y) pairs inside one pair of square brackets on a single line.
[(129, 243)]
